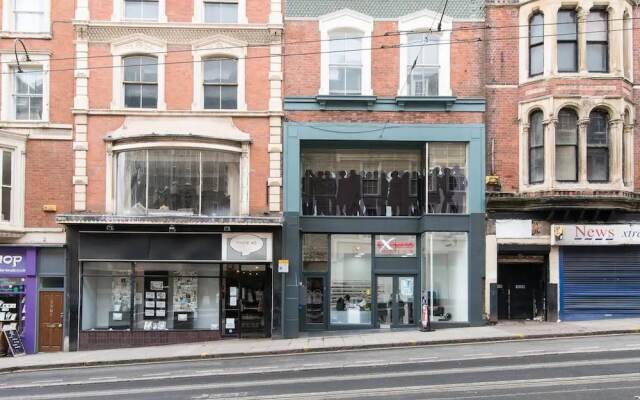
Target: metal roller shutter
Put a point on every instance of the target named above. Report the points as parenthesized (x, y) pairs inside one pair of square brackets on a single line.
[(600, 282)]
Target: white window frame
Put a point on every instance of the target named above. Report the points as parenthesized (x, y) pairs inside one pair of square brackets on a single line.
[(208, 48), (118, 12), (16, 143), (418, 22), (7, 108), (137, 45), (9, 21), (198, 11), (351, 20)]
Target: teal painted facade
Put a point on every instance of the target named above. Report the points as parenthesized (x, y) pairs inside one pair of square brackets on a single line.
[(358, 135)]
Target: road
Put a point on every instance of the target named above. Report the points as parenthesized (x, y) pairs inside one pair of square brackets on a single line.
[(605, 367)]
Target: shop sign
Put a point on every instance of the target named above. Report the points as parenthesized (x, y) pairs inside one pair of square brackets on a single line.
[(395, 246), (246, 247), (595, 235), (283, 266), (15, 261)]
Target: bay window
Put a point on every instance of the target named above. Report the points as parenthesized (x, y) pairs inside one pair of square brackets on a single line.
[(567, 146), (598, 147), (178, 181), (536, 147), (345, 63), (423, 65), (567, 41), (536, 44), (598, 41)]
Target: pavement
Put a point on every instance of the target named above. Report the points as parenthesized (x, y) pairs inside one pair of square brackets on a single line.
[(351, 340)]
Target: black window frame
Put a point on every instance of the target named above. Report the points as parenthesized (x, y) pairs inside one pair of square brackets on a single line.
[(576, 146), (562, 38), (599, 42), (536, 147), (598, 146), (535, 45)]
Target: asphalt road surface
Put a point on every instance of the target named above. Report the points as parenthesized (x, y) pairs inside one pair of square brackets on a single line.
[(594, 368)]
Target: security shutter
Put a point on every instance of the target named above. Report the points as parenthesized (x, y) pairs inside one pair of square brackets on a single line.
[(600, 282)]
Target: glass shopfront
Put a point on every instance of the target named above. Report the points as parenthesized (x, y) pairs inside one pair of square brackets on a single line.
[(384, 182)]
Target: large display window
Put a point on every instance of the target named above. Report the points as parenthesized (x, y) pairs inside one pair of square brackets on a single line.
[(351, 265), (445, 275), (150, 296)]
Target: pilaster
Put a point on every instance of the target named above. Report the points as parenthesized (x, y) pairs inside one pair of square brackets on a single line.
[(81, 105), (583, 125)]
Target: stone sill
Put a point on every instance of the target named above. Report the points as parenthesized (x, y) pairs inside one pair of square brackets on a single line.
[(84, 219)]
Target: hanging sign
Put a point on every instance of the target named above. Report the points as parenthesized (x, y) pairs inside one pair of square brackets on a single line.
[(14, 343)]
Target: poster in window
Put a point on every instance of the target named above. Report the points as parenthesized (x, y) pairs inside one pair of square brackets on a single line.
[(121, 293), (185, 292), (160, 313), (150, 304), (150, 295), (161, 304), (156, 285), (149, 313), (161, 295)]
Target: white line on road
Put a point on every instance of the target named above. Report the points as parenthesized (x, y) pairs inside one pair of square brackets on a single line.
[(424, 359), (366, 362), (315, 365), (102, 378), (478, 355), (532, 351), (209, 371), (46, 381), (633, 345), (586, 348), (158, 374)]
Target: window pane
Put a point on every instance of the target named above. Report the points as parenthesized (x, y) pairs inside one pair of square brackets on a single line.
[(6, 168), (353, 49), (228, 13), (567, 25), (106, 295), (22, 108), (337, 80), (177, 296), (220, 183), (597, 133), (315, 253), (133, 9), (22, 82), (566, 163), (537, 60), (597, 165), (174, 181), (132, 182), (149, 96), (351, 279), (446, 276), (423, 82), (212, 97), (597, 57), (336, 47), (132, 93), (229, 71), (132, 69), (149, 67), (567, 128), (6, 203), (150, 10), (29, 22), (212, 71), (371, 182), (36, 108), (536, 29), (597, 26), (229, 95), (447, 183), (353, 80), (536, 165), (28, 5), (536, 130), (567, 56)]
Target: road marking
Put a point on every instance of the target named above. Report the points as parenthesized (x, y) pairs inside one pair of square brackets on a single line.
[(585, 348), (46, 381), (209, 371), (158, 374), (315, 365), (263, 368), (531, 351), (366, 362), (478, 355), (101, 378), (633, 345), (424, 359)]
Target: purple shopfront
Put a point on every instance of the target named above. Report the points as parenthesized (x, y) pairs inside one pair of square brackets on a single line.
[(18, 293)]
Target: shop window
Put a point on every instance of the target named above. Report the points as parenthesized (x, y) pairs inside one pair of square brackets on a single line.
[(140, 82), (141, 9), (12, 304), (598, 41), (423, 65), (106, 296), (178, 181), (536, 44), (345, 63), (52, 282), (220, 84), (351, 264), (28, 93), (598, 147), (447, 183), (446, 276), (536, 147), (362, 182), (221, 12), (567, 41), (567, 146), (315, 253)]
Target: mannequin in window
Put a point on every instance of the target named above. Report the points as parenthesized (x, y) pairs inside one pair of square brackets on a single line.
[(369, 192), (421, 194), (308, 183), (395, 193), (322, 203), (332, 189), (138, 187), (450, 188), (405, 181), (343, 195), (354, 193), (162, 196), (384, 192)]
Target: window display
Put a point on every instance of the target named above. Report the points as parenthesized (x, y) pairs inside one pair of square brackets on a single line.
[(106, 290), (351, 264), (447, 188), (446, 275)]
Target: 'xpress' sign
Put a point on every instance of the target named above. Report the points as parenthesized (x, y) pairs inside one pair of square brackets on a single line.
[(14, 261), (595, 235)]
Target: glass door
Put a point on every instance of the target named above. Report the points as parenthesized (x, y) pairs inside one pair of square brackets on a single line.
[(395, 301), (314, 310)]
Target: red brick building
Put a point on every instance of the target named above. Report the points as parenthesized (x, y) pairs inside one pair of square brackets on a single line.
[(561, 117), (177, 170)]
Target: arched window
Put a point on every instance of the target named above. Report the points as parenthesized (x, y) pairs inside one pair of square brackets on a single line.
[(536, 148), (423, 64), (536, 44), (140, 82), (567, 41), (598, 147), (598, 41), (220, 83), (345, 62), (567, 146)]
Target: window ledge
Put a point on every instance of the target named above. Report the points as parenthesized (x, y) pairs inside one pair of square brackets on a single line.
[(11, 231), (426, 101), (26, 35), (389, 104), (568, 199), (86, 219), (327, 101), (194, 113)]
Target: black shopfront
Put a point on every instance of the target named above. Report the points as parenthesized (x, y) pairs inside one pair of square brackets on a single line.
[(157, 283)]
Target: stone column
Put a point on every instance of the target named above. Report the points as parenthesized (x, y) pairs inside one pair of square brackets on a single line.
[(615, 150), (81, 108), (274, 181), (550, 151), (628, 162), (583, 125), (582, 39), (524, 158)]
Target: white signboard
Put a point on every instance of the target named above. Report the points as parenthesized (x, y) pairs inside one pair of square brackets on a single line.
[(594, 235), (513, 228), (246, 247)]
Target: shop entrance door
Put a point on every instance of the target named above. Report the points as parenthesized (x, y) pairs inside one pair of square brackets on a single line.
[(245, 301), (395, 300), (50, 317), (315, 317)]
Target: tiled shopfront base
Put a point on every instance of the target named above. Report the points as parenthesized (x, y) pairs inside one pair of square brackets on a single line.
[(98, 340)]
